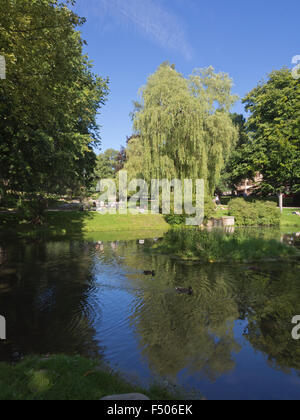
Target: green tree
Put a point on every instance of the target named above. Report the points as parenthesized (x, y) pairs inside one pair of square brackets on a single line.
[(238, 166), (49, 100), (184, 124), (274, 129), (121, 159), (107, 164), (135, 158)]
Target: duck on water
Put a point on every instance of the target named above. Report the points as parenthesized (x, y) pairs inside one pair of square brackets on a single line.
[(185, 291), (149, 273)]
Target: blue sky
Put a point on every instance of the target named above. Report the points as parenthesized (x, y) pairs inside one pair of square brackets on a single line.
[(129, 39)]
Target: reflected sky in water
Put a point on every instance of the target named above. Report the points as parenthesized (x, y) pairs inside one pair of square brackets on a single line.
[(231, 339)]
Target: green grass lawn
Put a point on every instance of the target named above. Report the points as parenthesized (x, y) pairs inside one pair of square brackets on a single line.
[(221, 211), (67, 378), (88, 225), (94, 226), (104, 223), (289, 219)]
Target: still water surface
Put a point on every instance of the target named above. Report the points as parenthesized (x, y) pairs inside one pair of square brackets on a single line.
[(230, 340)]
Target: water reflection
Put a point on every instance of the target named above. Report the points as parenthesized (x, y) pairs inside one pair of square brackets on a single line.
[(291, 239), (94, 299), (272, 300), (46, 293), (179, 332)]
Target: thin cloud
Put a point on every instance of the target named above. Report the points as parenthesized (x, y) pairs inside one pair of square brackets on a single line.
[(150, 17)]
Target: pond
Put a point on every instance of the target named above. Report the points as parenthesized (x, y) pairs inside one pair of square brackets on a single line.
[(230, 340)]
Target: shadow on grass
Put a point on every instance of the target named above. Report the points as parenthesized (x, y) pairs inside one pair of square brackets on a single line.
[(58, 225)]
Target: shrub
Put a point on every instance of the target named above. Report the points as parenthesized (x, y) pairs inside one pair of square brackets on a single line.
[(258, 213), (33, 209), (177, 220), (8, 200)]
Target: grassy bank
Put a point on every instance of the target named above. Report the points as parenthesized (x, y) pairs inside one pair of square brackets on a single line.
[(93, 226), (66, 378), (288, 219), (87, 225), (218, 246)]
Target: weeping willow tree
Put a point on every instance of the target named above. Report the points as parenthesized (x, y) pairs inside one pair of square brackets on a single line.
[(184, 126), (136, 162)]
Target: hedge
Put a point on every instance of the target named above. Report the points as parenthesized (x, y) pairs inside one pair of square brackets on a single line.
[(258, 213)]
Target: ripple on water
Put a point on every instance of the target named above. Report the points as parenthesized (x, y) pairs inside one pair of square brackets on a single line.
[(232, 325)]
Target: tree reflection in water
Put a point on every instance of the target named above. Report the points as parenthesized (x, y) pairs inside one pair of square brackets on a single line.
[(46, 292), (196, 332), (180, 331), (272, 299), (52, 297)]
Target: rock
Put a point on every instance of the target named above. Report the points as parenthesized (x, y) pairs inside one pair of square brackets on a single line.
[(126, 397), (225, 222), (228, 221), (210, 223)]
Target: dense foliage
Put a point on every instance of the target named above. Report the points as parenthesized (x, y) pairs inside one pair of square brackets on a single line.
[(107, 164), (177, 219), (258, 213), (271, 144), (274, 128), (183, 126), (237, 167), (49, 100)]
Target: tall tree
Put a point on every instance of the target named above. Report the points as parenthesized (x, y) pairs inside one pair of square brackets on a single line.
[(184, 124), (238, 166), (274, 129), (121, 159), (135, 158), (107, 164), (49, 100)]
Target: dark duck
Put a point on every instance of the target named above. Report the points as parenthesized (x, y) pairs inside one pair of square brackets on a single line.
[(185, 291), (149, 273)]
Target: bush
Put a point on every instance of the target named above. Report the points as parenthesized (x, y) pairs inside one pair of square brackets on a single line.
[(177, 220), (33, 209), (8, 200), (258, 213)]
